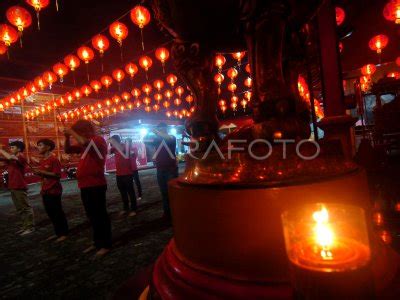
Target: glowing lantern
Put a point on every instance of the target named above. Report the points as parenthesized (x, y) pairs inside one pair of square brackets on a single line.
[(162, 54), (234, 106), (106, 81), (158, 97), (232, 73), (61, 70), (168, 94), (108, 102), (126, 96), (3, 48), (86, 54), (40, 83), (378, 43), (156, 107), (72, 62), (222, 102), (234, 99), (77, 94), (158, 84), (189, 99), (368, 70), (136, 92), (96, 85), (50, 78), (398, 61), (232, 87), (118, 75), (238, 56), (24, 92), (140, 16), (177, 101), (116, 99), (87, 90), (8, 35), (219, 62), (137, 103), (145, 63), (146, 100), (131, 69), (223, 108), (340, 15), (19, 17), (391, 11), (168, 114), (38, 5), (31, 87), (248, 70), (248, 82), (395, 75), (166, 104), (118, 31), (219, 78), (100, 43), (146, 88), (147, 109), (247, 95), (179, 91), (172, 79), (243, 103), (341, 47)]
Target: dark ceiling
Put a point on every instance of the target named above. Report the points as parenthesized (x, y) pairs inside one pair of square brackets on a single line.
[(78, 20)]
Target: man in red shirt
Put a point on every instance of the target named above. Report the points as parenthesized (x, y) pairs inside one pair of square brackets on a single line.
[(50, 171), (16, 164), (124, 173), (92, 181)]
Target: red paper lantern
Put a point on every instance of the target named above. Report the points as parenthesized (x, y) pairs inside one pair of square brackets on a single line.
[(31, 87), (166, 104), (341, 47), (8, 35), (140, 16), (156, 107), (118, 75), (172, 79), (136, 92), (146, 88), (147, 108), (49, 77), (340, 15), (116, 99), (395, 75), (219, 78), (96, 85), (72, 62), (391, 11), (38, 5), (189, 99), (368, 70), (158, 97), (100, 43), (131, 69), (118, 31), (179, 91), (168, 94), (219, 61), (248, 82), (19, 17), (232, 87), (248, 70), (106, 81), (232, 73), (145, 63), (146, 100), (243, 103), (61, 70), (40, 82), (158, 84), (86, 54), (378, 43), (238, 56), (162, 54), (87, 90), (177, 101), (77, 94)]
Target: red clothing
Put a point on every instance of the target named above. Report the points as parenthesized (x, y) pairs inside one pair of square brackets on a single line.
[(125, 165), (51, 185), (90, 171), (16, 173), (133, 160)]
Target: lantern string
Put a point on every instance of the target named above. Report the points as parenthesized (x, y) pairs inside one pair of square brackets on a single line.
[(122, 52), (87, 72), (141, 35), (102, 64), (38, 19)]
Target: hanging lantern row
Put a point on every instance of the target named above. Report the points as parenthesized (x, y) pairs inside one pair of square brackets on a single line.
[(118, 30), (71, 62), (95, 85), (220, 60)]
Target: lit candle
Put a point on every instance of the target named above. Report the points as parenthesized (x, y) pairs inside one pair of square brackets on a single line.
[(328, 248)]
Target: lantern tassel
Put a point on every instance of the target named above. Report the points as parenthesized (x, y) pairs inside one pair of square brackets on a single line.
[(87, 72), (122, 53), (141, 35), (73, 77), (102, 64), (8, 54), (57, 5), (38, 19), (20, 38)]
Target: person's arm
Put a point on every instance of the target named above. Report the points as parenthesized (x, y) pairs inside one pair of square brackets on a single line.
[(7, 155), (80, 139), (164, 136), (43, 173)]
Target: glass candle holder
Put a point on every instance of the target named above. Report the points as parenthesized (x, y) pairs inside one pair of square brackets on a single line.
[(328, 248)]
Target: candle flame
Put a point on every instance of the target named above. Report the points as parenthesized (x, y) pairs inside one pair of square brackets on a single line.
[(324, 235)]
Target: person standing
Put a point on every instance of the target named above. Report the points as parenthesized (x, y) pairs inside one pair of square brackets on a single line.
[(124, 174), (165, 160), (50, 171), (92, 181), (136, 178), (16, 164)]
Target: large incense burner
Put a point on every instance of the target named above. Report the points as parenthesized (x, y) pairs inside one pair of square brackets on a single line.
[(228, 237)]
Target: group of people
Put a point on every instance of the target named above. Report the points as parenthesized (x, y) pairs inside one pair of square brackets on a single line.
[(91, 179)]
